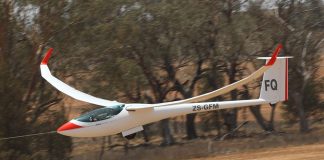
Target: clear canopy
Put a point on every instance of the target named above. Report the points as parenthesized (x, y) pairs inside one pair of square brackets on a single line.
[(100, 114)]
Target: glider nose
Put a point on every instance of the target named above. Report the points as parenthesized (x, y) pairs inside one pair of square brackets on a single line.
[(68, 126)]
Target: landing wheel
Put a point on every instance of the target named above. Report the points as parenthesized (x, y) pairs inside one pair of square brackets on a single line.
[(131, 136)]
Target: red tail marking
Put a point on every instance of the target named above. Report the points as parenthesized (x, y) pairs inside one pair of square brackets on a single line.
[(274, 55), (286, 81), (47, 56)]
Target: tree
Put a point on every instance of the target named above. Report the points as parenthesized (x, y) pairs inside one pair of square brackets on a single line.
[(301, 42), (25, 98)]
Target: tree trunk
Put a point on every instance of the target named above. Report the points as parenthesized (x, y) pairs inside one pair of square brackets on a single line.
[(145, 135), (230, 119), (255, 110), (303, 124), (231, 116), (259, 118), (271, 122), (102, 148), (298, 96), (218, 123), (166, 133), (190, 126)]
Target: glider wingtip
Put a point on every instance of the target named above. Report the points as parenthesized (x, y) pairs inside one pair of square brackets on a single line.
[(274, 55), (47, 56)]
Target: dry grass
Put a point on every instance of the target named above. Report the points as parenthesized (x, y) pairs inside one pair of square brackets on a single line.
[(309, 152)]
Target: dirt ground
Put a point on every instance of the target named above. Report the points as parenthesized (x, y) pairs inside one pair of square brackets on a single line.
[(309, 152), (256, 146)]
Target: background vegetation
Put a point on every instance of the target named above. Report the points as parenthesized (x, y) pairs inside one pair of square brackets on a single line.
[(151, 51)]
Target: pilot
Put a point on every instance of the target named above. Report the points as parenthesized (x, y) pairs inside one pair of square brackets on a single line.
[(90, 119)]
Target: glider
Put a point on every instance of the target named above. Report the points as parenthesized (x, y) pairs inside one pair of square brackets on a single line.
[(116, 117)]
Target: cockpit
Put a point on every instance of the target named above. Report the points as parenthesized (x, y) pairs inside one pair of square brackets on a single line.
[(101, 114)]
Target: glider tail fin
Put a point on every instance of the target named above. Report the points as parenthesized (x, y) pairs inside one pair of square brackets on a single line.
[(274, 86)]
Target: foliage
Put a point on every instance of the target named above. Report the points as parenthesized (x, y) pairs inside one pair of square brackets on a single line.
[(148, 51)]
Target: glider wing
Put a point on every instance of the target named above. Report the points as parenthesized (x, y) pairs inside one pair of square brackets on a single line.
[(61, 86), (220, 91)]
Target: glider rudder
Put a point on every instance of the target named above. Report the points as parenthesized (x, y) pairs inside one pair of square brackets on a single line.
[(274, 87)]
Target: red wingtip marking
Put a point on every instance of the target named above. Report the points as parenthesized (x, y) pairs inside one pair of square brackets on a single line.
[(274, 55), (47, 56), (68, 126)]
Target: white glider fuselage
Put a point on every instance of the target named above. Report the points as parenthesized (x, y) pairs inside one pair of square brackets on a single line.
[(126, 120)]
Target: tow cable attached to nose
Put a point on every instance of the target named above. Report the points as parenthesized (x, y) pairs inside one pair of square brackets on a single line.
[(27, 135)]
